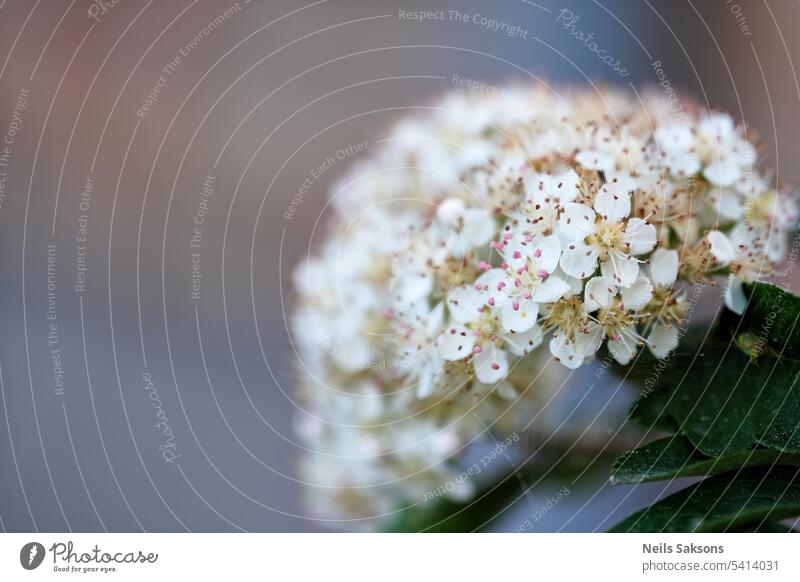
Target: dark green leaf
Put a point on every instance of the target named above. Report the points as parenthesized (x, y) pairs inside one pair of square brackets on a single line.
[(726, 501), (675, 456), (651, 411), (723, 402), (771, 323)]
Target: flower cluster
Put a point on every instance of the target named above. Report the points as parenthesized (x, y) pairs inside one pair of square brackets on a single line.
[(491, 237)]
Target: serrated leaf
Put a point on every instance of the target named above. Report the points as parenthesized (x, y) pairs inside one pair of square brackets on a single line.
[(674, 457), (725, 501)]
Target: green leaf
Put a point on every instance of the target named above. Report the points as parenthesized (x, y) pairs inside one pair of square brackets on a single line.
[(673, 457), (771, 323), (722, 402), (729, 500), (651, 412)]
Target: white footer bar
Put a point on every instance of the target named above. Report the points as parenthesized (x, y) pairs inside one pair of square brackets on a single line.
[(406, 557)]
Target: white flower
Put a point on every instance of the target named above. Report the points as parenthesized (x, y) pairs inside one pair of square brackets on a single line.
[(526, 281), (726, 203), (483, 227), (606, 234), (576, 337), (664, 265), (663, 339), (749, 261), (771, 210), (420, 359), (747, 255), (618, 318), (721, 247), (595, 160), (463, 228), (613, 150), (724, 151), (545, 196), (675, 144), (664, 334), (411, 279), (475, 332)]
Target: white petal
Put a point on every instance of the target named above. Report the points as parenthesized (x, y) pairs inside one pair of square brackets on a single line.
[(491, 364), (549, 250), (564, 351), (487, 282), (641, 236), (560, 187), (478, 228), (435, 319), (620, 182), (637, 295), (777, 247), (579, 260), (488, 287), (623, 351), (450, 211), (456, 343), (722, 248), (683, 163), (551, 289), (663, 339), (674, 138), (523, 343), (735, 299), (412, 286), (575, 284), (717, 126), (464, 303), (722, 172), (589, 340), (727, 203), (577, 222), (613, 207), (573, 354), (425, 386), (664, 267), (594, 160), (598, 293), (744, 152), (520, 319), (620, 268), (568, 188)]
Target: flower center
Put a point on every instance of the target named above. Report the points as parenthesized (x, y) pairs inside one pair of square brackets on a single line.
[(485, 328), (527, 280), (566, 315), (609, 237), (615, 319), (666, 306)]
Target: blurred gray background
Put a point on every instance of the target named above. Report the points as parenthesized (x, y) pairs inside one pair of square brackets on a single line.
[(93, 330)]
